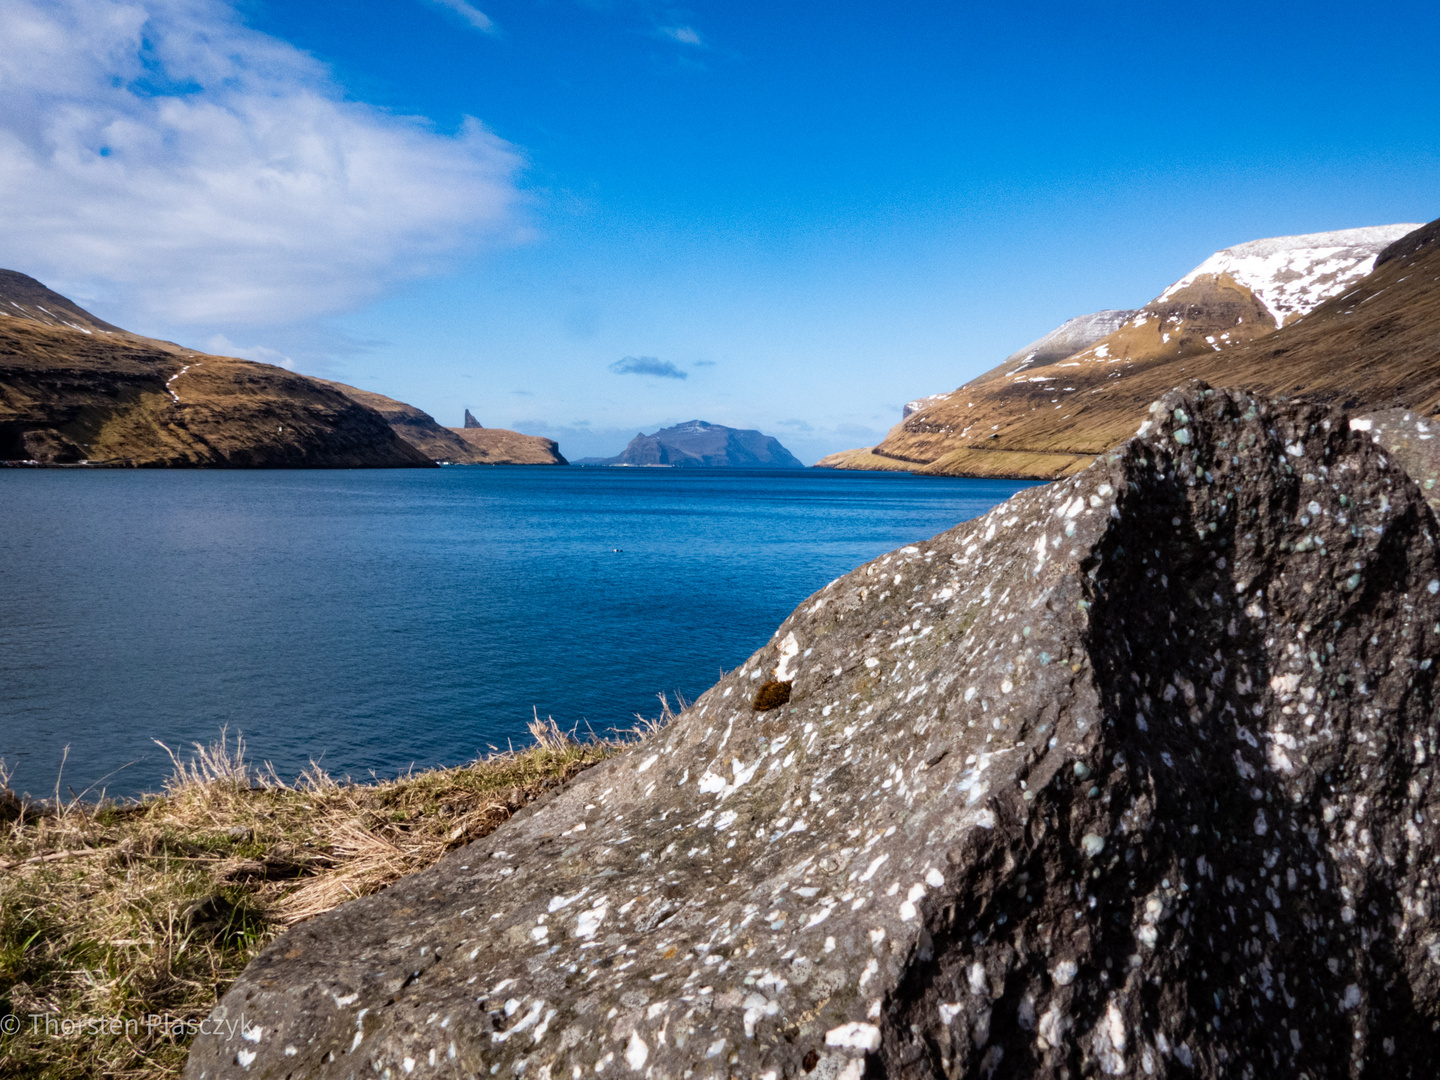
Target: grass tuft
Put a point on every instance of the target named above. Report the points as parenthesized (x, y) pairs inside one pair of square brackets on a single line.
[(140, 915)]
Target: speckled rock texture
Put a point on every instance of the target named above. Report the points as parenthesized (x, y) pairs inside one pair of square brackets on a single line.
[(1413, 440), (1132, 776)]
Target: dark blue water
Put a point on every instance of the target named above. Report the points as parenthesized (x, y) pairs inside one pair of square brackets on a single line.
[(375, 619)]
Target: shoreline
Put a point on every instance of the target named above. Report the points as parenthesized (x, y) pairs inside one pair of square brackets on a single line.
[(123, 922)]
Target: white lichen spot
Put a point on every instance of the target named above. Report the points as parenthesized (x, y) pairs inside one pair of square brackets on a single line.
[(589, 921), (636, 1052), (976, 976), (875, 865), (789, 649), (854, 1037)]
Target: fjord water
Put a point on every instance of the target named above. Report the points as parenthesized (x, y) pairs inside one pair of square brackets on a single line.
[(371, 620)]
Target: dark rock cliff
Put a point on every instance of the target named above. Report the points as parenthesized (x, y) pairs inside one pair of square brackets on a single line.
[(1134, 775)]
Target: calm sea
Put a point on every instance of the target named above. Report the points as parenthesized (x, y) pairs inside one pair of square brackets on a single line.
[(374, 619)]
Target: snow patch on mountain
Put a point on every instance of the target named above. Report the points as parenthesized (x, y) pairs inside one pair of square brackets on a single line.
[(920, 403), (1292, 275), (1067, 339)]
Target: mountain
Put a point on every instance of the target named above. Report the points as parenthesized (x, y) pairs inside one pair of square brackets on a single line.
[(468, 445), (21, 296), (1067, 338), (701, 445), (1004, 422), (75, 389)]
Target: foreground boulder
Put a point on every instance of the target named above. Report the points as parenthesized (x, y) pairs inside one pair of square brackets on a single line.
[(1132, 776)]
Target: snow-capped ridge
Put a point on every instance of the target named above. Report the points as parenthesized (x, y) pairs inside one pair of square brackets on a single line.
[(1292, 275)]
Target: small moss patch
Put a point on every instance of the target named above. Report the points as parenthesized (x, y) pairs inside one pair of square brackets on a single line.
[(771, 696)]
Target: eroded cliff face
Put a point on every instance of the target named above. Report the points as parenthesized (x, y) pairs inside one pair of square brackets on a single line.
[(1134, 775)]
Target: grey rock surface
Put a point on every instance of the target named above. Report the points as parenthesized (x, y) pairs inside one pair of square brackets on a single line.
[(1413, 440), (1132, 776)]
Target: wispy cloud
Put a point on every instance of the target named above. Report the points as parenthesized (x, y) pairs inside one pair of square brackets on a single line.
[(469, 12), (163, 154), (686, 35), (704, 363), (648, 365), (798, 425)]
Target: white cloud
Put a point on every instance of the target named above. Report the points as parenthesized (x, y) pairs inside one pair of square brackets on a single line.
[(684, 34), (209, 174), (471, 14)]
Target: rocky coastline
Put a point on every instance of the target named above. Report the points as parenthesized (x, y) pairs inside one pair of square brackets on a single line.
[(1134, 775)]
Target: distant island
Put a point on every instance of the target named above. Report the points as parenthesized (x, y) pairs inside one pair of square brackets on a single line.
[(700, 445)]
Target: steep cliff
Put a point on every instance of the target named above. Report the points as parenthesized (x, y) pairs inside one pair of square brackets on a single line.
[(1134, 775)]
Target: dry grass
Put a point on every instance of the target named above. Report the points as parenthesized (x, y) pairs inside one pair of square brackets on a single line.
[(151, 909)]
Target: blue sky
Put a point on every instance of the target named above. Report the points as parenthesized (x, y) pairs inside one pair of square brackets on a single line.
[(810, 212)]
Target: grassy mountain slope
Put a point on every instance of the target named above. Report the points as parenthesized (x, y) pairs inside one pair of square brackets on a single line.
[(501, 446), (67, 395), (1219, 323), (458, 446), (75, 389)]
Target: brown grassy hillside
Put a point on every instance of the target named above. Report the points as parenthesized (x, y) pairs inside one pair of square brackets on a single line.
[(499, 446), (458, 446), (68, 395), (1375, 346)]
